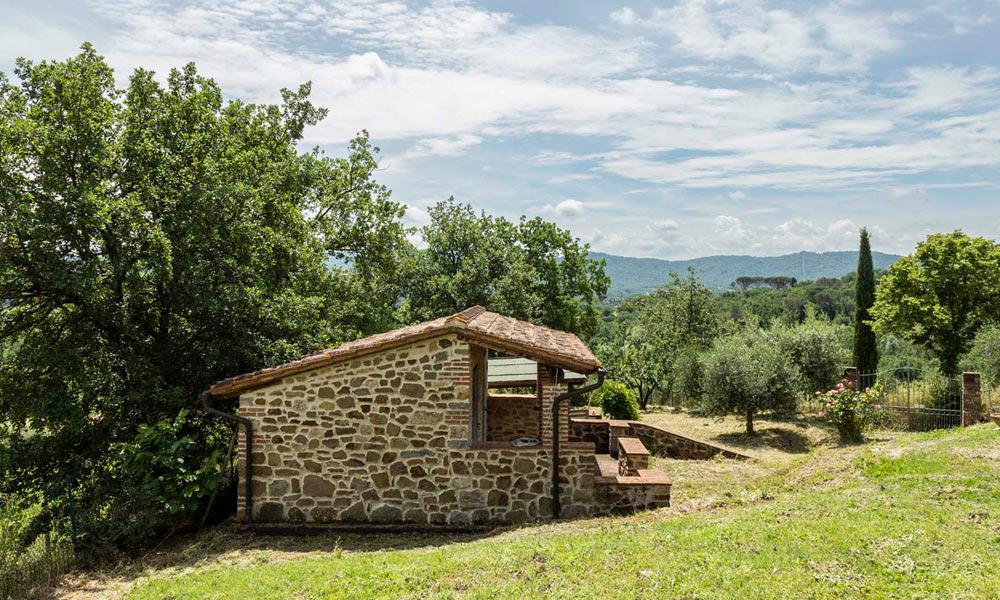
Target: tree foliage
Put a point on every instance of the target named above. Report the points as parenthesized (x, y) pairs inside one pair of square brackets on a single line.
[(156, 239), (745, 282), (865, 347), (941, 295), (818, 351), (984, 354), (656, 328), (530, 270), (832, 297), (747, 374)]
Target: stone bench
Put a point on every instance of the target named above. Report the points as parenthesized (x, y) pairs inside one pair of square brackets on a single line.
[(632, 456)]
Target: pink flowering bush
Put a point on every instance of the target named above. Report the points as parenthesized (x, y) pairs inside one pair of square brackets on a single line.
[(851, 411)]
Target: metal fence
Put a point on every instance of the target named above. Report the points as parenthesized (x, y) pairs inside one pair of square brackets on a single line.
[(28, 566), (916, 400), (913, 399)]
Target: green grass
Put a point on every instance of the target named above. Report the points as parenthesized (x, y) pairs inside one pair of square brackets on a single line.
[(917, 516)]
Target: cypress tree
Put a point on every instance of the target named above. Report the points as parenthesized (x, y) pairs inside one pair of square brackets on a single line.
[(865, 350)]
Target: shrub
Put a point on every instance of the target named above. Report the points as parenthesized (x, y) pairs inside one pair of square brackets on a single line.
[(746, 374), (27, 563), (852, 412), (163, 456), (618, 401)]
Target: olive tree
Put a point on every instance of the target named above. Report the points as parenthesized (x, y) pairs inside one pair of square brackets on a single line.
[(747, 374)]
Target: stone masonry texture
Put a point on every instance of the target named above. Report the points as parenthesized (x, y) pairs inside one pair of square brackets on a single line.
[(972, 398), (512, 416), (385, 438)]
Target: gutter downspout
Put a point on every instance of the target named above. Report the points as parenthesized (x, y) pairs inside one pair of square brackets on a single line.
[(248, 425), (601, 374)]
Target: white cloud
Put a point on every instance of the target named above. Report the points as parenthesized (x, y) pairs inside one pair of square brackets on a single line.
[(664, 226), (625, 16), (417, 216), (569, 207), (737, 98), (945, 88), (570, 177), (430, 147), (829, 39), (451, 74)]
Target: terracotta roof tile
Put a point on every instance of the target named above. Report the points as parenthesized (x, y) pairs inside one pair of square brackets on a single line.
[(476, 323)]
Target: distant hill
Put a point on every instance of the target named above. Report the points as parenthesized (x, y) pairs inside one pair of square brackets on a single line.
[(631, 276)]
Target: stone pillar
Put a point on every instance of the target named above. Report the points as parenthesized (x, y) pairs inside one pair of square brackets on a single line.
[(547, 390), (851, 376), (971, 398)]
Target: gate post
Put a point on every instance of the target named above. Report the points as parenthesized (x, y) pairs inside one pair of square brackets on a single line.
[(851, 375), (971, 399)]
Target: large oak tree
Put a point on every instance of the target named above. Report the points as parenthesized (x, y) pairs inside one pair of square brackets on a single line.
[(154, 239)]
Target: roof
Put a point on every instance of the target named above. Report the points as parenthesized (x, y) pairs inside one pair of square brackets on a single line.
[(520, 372), (475, 324)]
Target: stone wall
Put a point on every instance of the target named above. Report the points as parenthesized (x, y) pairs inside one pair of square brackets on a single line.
[(659, 441), (622, 498), (511, 416), (851, 377), (547, 390), (632, 456), (385, 438), (668, 443), (594, 431)]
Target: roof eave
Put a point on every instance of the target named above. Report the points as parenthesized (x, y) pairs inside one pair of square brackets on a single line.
[(264, 378)]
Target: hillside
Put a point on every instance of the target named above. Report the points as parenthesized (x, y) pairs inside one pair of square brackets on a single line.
[(906, 516), (630, 276)]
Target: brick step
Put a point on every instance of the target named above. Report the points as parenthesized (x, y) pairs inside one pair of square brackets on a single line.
[(649, 489), (606, 473)]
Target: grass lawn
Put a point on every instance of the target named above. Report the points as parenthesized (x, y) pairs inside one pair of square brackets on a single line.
[(907, 516)]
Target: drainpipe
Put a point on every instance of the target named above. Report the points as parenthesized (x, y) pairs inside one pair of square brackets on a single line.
[(248, 425), (601, 373)]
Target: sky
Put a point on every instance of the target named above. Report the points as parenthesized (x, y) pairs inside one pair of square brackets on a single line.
[(656, 129)]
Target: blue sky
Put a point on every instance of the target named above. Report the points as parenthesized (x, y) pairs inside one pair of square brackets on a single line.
[(671, 130)]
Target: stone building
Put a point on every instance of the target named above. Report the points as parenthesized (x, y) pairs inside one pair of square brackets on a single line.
[(405, 427)]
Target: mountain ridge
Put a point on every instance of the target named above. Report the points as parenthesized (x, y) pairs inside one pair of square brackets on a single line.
[(631, 275)]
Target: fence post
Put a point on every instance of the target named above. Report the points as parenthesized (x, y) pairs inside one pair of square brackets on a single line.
[(851, 376), (971, 398)]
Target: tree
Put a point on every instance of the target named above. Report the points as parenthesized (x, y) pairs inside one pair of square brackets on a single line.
[(746, 374), (865, 347), (818, 350), (654, 329), (941, 295), (630, 357), (153, 240), (530, 270)]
